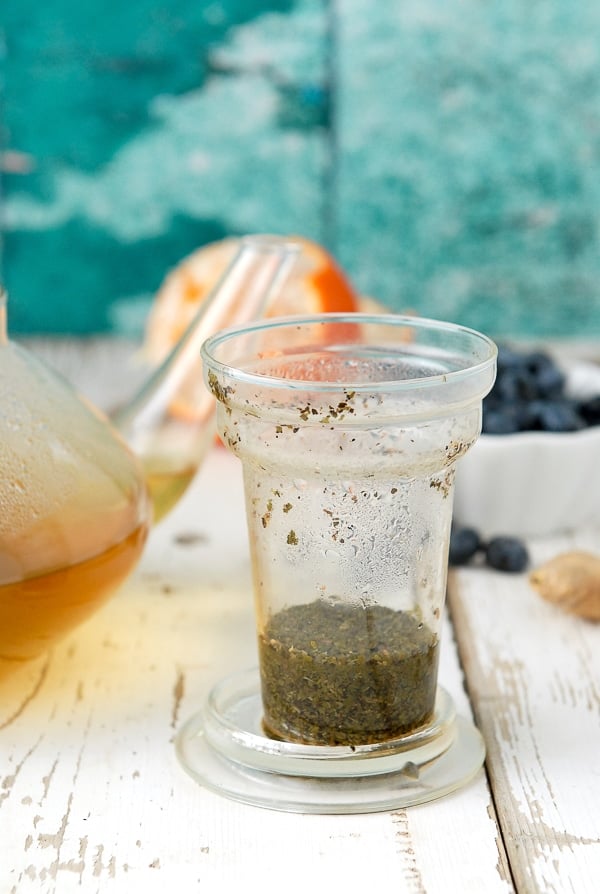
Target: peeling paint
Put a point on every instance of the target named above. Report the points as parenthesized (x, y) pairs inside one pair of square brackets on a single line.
[(9, 781), (410, 869), (46, 781), (530, 691), (178, 693), (29, 697)]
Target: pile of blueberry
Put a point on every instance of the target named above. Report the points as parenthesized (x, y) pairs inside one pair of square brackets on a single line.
[(501, 553), (529, 395)]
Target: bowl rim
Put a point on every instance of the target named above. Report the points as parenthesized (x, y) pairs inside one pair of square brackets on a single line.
[(527, 438)]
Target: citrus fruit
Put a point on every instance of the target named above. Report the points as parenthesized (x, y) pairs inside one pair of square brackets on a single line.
[(316, 284)]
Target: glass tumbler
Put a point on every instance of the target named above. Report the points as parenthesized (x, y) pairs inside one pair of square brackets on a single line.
[(348, 428)]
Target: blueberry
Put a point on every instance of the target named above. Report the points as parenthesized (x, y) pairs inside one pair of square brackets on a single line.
[(589, 410), (548, 378), (537, 360), (464, 543), (529, 395), (527, 414), (526, 383), (555, 416), (507, 554), (515, 384), (506, 387), (507, 359), (500, 420)]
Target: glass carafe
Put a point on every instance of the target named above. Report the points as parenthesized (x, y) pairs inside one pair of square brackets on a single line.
[(74, 509), (78, 491)]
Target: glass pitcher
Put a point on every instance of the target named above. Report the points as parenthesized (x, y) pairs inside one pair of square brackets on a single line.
[(77, 493)]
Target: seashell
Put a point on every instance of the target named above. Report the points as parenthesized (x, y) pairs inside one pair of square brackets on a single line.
[(571, 581)]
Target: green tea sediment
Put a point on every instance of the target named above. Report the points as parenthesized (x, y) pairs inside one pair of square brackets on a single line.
[(340, 674)]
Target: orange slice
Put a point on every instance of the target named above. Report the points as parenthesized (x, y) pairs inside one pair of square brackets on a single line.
[(316, 284)]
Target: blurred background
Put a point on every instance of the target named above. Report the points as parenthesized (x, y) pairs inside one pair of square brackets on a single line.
[(446, 151)]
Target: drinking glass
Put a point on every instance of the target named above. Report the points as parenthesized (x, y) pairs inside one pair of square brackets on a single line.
[(349, 428)]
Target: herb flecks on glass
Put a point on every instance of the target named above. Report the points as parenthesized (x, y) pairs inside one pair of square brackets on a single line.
[(340, 674)]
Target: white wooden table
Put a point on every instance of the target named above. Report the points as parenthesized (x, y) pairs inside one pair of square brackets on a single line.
[(93, 799)]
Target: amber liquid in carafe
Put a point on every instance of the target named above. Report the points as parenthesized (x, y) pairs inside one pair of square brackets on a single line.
[(39, 609)]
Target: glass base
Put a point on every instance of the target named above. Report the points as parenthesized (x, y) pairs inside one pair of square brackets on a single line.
[(225, 749)]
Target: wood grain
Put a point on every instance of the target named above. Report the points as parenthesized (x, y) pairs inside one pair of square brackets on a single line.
[(533, 676)]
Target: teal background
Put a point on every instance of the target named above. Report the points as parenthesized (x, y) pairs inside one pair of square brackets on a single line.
[(446, 151)]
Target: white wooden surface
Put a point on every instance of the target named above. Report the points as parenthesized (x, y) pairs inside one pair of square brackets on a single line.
[(92, 798), (534, 680)]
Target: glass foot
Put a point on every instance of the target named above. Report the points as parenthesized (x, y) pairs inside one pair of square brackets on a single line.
[(225, 749)]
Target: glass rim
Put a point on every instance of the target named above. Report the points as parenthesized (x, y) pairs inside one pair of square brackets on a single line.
[(393, 320)]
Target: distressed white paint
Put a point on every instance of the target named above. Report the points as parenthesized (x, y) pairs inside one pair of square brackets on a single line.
[(534, 680)]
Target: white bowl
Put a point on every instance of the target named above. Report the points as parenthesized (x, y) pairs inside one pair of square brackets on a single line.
[(530, 484), (533, 484)]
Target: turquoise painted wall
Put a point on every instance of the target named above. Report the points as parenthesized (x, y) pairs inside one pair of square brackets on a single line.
[(447, 151)]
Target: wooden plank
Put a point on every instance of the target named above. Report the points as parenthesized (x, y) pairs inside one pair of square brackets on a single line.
[(91, 795), (533, 676)]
